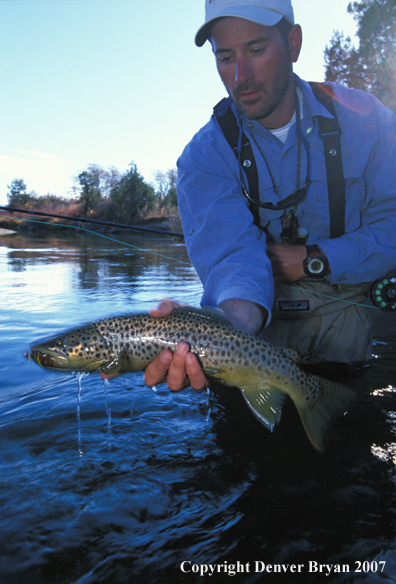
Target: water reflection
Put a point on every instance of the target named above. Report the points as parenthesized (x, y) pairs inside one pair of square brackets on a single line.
[(122, 484), (100, 272)]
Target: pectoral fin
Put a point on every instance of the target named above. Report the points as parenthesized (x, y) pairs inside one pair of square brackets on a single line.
[(113, 366), (265, 403)]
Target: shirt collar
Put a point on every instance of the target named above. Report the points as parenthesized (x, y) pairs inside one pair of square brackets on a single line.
[(315, 108)]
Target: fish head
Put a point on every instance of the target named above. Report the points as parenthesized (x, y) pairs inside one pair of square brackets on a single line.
[(82, 349)]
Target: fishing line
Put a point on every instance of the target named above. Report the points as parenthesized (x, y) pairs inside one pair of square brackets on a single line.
[(78, 227), (332, 297), (88, 220)]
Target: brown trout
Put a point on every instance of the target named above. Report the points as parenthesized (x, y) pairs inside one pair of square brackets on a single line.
[(264, 373)]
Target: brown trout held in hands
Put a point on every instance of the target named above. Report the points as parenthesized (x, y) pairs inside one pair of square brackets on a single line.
[(264, 373)]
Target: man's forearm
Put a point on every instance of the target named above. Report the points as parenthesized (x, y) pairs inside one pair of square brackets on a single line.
[(244, 315)]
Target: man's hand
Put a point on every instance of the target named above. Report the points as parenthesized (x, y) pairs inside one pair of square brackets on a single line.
[(287, 262), (179, 369)]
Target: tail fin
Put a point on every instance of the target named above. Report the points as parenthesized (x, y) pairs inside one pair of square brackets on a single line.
[(325, 400)]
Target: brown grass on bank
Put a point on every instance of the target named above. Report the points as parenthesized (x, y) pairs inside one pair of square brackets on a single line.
[(163, 213)]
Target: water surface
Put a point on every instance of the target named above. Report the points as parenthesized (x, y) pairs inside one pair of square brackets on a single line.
[(142, 482)]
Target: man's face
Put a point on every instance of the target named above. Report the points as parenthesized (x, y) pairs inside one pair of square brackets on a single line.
[(255, 66)]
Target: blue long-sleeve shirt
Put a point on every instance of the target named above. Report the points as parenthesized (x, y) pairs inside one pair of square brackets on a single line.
[(229, 252)]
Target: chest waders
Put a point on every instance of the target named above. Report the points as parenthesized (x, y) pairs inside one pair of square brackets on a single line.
[(311, 316)]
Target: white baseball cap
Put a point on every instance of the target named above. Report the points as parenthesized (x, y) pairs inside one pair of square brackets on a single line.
[(264, 12)]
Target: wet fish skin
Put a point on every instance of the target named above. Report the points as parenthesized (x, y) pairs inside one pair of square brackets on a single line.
[(264, 373)]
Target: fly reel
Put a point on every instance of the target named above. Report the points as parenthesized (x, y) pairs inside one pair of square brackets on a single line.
[(383, 293)]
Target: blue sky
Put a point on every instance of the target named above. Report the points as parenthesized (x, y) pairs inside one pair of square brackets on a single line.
[(109, 82)]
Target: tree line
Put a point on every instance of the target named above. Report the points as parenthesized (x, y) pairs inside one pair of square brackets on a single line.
[(372, 65), (108, 194)]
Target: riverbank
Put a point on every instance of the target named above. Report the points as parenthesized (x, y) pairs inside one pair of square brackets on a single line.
[(20, 222)]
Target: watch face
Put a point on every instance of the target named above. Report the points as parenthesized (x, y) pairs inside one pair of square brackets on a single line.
[(316, 266)]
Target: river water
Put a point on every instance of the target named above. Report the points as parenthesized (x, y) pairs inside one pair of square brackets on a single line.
[(120, 484)]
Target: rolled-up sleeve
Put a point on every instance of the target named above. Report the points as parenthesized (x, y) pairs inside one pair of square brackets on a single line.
[(227, 250)]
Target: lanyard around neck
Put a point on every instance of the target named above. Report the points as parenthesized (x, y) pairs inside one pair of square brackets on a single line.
[(300, 193)]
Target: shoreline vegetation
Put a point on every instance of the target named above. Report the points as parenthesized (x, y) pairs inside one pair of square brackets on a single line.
[(102, 195)]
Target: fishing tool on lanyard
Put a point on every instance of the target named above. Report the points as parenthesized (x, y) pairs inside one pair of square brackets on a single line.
[(291, 233)]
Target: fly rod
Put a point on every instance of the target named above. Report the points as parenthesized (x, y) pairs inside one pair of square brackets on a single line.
[(96, 221)]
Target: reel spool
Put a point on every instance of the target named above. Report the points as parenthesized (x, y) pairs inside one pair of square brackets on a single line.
[(383, 293)]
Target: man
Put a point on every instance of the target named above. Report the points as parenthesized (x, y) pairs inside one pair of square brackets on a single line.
[(240, 245)]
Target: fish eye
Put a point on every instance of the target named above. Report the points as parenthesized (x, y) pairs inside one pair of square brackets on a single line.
[(59, 344)]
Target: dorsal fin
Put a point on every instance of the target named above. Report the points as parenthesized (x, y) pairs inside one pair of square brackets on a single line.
[(206, 311), (293, 354)]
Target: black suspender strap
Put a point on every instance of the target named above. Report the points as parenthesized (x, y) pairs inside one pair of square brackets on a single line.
[(330, 133), (227, 122)]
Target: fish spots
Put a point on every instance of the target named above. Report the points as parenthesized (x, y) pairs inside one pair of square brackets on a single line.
[(137, 339), (313, 395)]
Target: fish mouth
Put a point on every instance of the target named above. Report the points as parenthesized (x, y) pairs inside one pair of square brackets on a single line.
[(43, 360), (59, 362)]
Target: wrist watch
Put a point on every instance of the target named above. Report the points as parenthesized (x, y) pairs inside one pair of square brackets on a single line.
[(315, 263)]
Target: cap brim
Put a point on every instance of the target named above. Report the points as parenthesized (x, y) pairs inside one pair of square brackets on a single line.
[(257, 14)]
